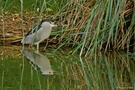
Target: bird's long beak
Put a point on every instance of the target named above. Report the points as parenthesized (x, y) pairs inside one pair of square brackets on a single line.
[(53, 25)]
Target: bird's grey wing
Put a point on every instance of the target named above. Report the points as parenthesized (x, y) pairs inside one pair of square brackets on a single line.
[(34, 29)]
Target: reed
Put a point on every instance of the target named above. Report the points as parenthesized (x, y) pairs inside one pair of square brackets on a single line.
[(86, 26), (91, 26)]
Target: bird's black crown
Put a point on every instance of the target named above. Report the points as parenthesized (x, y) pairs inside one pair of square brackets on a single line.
[(48, 20)]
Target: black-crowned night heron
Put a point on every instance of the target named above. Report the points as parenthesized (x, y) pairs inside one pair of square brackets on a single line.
[(39, 33)]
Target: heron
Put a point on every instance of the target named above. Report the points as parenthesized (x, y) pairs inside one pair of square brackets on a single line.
[(39, 33)]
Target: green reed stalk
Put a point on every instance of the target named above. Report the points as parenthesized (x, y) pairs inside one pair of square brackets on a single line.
[(87, 29), (3, 22), (22, 71)]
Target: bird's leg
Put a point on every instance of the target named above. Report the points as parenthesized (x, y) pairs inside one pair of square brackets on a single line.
[(30, 45), (37, 46), (46, 44)]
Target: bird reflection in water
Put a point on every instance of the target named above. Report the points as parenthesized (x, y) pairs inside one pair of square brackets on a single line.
[(39, 60)]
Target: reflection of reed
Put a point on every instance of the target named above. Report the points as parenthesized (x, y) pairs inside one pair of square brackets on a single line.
[(107, 71), (37, 59), (110, 70)]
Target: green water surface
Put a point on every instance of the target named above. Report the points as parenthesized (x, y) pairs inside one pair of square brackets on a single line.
[(61, 71)]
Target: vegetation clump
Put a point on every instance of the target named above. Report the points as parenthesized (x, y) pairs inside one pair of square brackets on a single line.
[(86, 26)]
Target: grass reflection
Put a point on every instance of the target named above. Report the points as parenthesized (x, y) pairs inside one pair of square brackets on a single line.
[(109, 71), (112, 70)]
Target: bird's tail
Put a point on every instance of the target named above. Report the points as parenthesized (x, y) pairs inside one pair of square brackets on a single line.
[(27, 40), (23, 41)]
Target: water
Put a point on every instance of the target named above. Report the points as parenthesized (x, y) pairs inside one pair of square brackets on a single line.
[(27, 69)]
